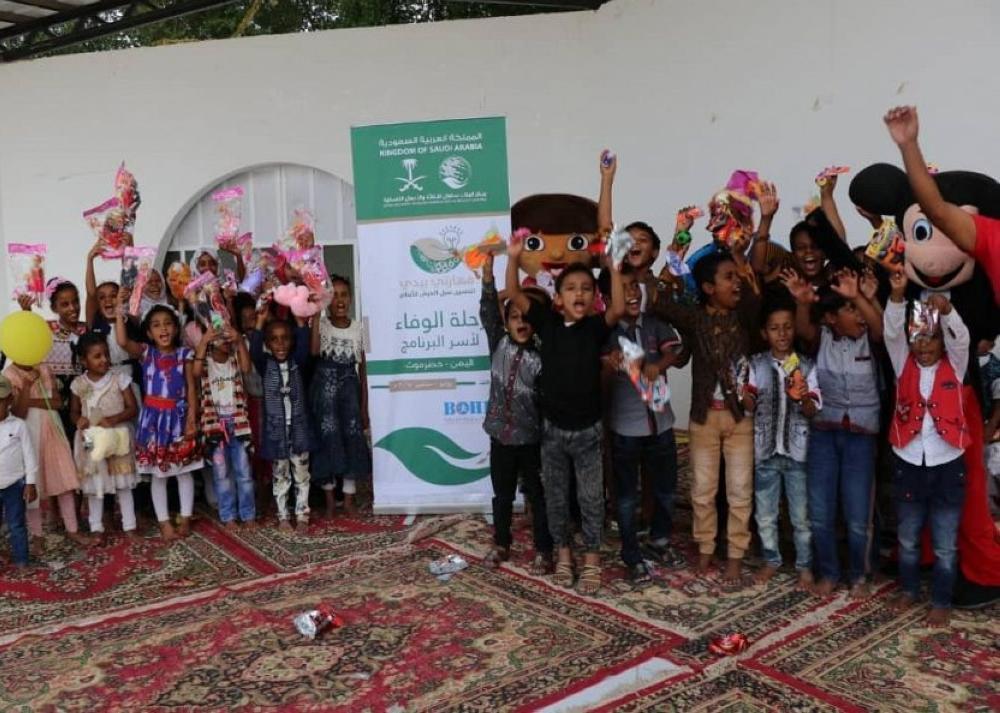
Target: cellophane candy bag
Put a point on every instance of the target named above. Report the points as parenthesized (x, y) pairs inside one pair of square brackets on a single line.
[(229, 212), (655, 394), (27, 268), (136, 265), (309, 265)]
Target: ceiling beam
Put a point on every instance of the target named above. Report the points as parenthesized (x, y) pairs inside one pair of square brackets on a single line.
[(55, 5)]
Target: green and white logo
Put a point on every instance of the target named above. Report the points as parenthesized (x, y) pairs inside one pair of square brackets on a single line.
[(438, 255), (434, 458), (455, 172)]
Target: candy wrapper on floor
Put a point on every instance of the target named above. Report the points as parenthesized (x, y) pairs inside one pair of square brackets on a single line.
[(729, 645), (137, 262), (315, 622), (229, 212), (205, 295), (655, 395), (447, 566), (178, 278), (27, 268), (925, 322)]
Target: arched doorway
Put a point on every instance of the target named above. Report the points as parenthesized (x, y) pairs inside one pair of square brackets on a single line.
[(272, 192)]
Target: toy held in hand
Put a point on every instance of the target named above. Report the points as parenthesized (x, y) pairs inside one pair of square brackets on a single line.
[(27, 268), (178, 278), (618, 244), (205, 295), (301, 232), (475, 256), (296, 298), (824, 176), (655, 394), (229, 211), (794, 378), (103, 443), (925, 322), (309, 266), (887, 245), (137, 262)]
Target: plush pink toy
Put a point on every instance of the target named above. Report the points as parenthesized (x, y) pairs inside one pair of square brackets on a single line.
[(296, 297)]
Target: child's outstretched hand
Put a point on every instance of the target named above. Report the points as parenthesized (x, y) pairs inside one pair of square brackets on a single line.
[(26, 302), (845, 284), (488, 269), (615, 358), (940, 303), (30, 493), (515, 247), (768, 200), (868, 284), (801, 290), (898, 282), (903, 124)]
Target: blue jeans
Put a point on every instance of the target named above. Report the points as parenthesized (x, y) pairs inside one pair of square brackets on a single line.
[(12, 501), (233, 478), (841, 469), (658, 455), (767, 497), (929, 494)]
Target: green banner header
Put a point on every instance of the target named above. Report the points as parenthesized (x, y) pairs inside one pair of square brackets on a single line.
[(451, 167)]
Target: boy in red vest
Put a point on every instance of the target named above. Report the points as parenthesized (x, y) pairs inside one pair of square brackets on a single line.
[(929, 353)]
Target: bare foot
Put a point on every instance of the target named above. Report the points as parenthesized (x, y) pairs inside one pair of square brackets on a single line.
[(824, 588), (232, 525), (806, 581), (285, 526), (349, 506), (901, 602), (81, 539), (331, 504), (167, 532), (764, 574), (302, 526), (250, 525), (183, 526), (704, 563), (859, 590), (731, 574), (938, 617), (37, 547)]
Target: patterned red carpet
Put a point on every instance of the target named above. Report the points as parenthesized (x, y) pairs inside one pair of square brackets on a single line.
[(206, 624)]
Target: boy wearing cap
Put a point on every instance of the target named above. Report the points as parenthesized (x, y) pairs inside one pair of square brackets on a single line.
[(18, 472)]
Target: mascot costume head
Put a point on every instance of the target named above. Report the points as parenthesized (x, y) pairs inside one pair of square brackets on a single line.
[(558, 229), (933, 263)]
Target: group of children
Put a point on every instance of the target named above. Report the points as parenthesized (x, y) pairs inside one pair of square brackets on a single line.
[(788, 394), (120, 402)]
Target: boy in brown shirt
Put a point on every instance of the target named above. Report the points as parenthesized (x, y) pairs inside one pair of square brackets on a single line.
[(718, 333)]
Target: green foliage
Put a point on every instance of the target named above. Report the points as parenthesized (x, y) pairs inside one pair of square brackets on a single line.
[(286, 16)]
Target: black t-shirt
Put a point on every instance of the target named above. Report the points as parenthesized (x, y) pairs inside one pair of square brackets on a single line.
[(570, 381)]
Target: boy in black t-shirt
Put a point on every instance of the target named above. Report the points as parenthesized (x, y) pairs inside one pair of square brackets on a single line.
[(570, 382)]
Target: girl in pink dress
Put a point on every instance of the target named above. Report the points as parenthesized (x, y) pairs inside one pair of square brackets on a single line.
[(37, 402)]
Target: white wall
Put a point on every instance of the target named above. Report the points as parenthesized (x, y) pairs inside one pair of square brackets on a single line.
[(683, 90)]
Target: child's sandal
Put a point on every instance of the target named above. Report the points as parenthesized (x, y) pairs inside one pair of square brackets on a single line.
[(590, 579), (495, 556), (563, 576)]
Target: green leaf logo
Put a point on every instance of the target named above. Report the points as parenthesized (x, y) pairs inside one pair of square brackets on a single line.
[(433, 457)]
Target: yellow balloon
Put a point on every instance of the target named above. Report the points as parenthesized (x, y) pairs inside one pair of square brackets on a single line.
[(25, 338)]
